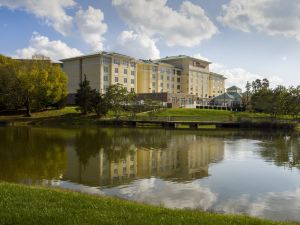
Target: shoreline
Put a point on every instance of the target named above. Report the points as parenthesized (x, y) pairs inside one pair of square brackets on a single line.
[(23, 204), (193, 119)]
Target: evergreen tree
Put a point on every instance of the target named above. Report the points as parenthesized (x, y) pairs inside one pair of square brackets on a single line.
[(84, 97)]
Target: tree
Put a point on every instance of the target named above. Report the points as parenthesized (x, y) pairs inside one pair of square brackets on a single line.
[(30, 84), (117, 96), (133, 105), (100, 103), (84, 97), (279, 101), (256, 85), (293, 101), (246, 96), (265, 83), (262, 101)]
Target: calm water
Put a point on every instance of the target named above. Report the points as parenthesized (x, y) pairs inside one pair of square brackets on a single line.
[(227, 172)]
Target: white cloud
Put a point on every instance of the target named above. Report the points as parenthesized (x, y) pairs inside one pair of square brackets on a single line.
[(284, 58), (53, 12), (39, 44), (137, 45), (169, 194), (239, 76), (91, 27), (187, 27), (266, 205), (274, 17)]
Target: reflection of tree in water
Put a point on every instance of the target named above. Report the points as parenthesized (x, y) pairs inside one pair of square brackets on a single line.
[(282, 150), (31, 154)]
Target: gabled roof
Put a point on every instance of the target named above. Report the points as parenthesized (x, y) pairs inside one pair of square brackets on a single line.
[(97, 54), (157, 63), (234, 88), (236, 95), (224, 96), (183, 57), (218, 75), (231, 96)]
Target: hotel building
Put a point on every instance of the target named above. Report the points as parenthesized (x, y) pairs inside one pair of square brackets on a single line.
[(102, 70), (196, 79), (181, 80)]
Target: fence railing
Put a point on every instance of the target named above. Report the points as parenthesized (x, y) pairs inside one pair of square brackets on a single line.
[(205, 119)]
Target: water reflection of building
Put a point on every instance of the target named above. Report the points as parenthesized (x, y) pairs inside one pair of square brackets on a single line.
[(188, 159), (184, 158)]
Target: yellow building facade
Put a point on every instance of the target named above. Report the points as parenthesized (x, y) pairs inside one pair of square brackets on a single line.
[(155, 77), (102, 70)]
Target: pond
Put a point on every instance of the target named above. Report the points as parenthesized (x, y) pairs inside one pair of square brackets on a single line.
[(239, 172)]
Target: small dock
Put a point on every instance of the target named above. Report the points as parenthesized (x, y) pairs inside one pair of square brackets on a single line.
[(170, 124)]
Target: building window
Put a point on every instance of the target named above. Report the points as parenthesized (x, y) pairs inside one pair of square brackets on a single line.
[(132, 81), (153, 76), (105, 78), (125, 63), (153, 84), (116, 70), (132, 64), (168, 86), (162, 70), (132, 89), (161, 77), (116, 79), (125, 80), (178, 87), (168, 78), (168, 71), (161, 85), (117, 61), (132, 72), (105, 69), (173, 79), (125, 71), (154, 69), (106, 61), (178, 79)]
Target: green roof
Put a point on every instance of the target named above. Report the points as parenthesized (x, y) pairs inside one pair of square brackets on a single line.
[(226, 96), (234, 88)]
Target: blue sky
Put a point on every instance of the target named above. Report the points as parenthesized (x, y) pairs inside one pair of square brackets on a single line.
[(244, 39)]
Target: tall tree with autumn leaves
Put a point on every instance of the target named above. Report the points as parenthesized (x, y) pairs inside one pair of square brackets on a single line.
[(30, 84)]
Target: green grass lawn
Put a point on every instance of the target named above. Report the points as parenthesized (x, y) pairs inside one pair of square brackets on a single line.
[(69, 116), (213, 115), (31, 205)]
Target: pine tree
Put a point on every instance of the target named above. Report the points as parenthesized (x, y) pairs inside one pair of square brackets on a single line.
[(84, 97)]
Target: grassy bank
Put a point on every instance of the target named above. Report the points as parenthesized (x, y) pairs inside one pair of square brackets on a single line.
[(216, 115), (28, 205), (69, 116)]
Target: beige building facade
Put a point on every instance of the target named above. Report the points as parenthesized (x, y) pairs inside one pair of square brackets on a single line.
[(102, 70), (176, 75), (196, 78)]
